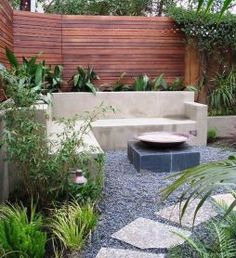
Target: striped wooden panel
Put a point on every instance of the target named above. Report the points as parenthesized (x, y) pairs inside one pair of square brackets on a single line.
[(113, 45), (6, 32), (38, 33)]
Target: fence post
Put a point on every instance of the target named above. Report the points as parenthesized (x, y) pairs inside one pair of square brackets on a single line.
[(192, 64)]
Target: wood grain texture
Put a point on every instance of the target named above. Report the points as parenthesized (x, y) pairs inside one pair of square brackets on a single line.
[(38, 33), (6, 29), (112, 45)]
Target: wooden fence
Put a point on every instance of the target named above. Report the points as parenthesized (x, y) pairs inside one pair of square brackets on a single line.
[(112, 45), (6, 32)]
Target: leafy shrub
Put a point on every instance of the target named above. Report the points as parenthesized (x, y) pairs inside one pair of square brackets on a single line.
[(205, 28), (104, 7), (221, 240), (20, 235), (83, 80), (32, 74), (142, 83), (221, 244), (211, 135), (43, 171), (120, 86), (72, 223), (222, 98)]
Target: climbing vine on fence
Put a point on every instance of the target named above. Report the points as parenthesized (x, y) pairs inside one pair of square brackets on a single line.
[(215, 40), (206, 29)]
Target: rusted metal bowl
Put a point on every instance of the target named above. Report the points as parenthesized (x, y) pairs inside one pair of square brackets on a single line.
[(163, 140)]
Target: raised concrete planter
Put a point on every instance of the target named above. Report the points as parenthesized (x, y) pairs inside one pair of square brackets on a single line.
[(225, 125)]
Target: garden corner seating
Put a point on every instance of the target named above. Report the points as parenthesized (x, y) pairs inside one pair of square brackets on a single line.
[(135, 113)]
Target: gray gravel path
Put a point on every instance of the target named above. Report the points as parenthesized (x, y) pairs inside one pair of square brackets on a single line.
[(129, 195)]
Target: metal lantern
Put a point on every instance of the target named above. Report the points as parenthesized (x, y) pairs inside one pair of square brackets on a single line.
[(79, 178)]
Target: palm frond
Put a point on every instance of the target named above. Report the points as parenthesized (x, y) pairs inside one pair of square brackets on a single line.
[(202, 180)]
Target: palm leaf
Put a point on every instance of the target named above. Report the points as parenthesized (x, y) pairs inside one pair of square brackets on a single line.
[(225, 7), (200, 5), (202, 181)]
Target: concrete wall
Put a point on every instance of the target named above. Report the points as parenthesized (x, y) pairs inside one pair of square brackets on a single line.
[(224, 125), (135, 105), (127, 104)]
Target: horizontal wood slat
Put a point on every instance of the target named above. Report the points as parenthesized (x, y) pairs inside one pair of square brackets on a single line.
[(38, 33), (6, 29), (111, 45)]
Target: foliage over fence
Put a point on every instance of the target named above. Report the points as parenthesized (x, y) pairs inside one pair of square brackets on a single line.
[(206, 29)]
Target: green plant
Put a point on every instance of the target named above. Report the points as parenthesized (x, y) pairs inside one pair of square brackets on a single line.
[(83, 80), (205, 6), (72, 223), (160, 83), (104, 7), (142, 83), (202, 180), (34, 74), (120, 86), (221, 99), (54, 79), (211, 135), (41, 169), (19, 90), (206, 29), (221, 246), (20, 235)]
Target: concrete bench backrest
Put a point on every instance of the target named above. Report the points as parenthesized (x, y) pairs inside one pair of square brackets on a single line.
[(127, 104)]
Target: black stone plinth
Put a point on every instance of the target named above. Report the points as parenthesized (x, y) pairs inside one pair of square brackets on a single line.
[(144, 157)]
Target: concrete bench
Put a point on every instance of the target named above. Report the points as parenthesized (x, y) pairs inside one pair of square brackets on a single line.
[(136, 112)]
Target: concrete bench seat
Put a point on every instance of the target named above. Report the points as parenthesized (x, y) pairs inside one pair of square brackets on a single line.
[(115, 133), (135, 113)]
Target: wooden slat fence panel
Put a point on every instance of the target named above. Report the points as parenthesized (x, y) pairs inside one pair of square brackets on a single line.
[(111, 45), (38, 33), (6, 31)]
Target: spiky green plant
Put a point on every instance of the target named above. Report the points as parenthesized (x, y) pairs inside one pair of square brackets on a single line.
[(83, 80), (21, 235), (142, 83), (221, 244), (72, 223), (207, 8)]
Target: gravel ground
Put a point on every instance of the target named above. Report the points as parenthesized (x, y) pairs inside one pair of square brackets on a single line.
[(129, 195)]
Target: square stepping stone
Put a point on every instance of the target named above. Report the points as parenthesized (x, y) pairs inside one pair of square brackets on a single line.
[(145, 234), (172, 213), (120, 253), (225, 199), (144, 157)]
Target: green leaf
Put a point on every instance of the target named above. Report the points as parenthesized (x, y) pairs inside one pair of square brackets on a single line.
[(91, 87), (12, 58), (200, 4), (225, 7)]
